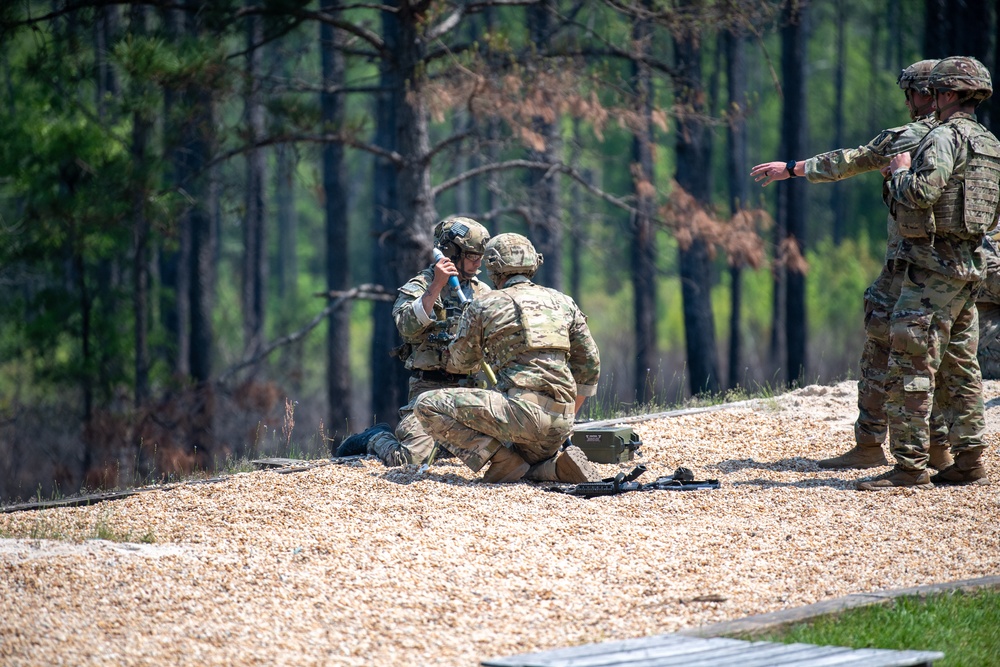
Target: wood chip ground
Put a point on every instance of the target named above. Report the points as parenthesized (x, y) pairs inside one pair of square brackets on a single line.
[(364, 565)]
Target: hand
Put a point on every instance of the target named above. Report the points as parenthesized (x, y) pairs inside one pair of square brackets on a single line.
[(443, 270), (769, 172), (899, 161)]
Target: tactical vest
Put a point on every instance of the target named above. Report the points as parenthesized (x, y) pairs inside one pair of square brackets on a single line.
[(541, 322), (426, 352), (968, 207)]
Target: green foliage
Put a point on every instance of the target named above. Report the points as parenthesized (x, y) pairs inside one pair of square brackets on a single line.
[(961, 625), (838, 277)]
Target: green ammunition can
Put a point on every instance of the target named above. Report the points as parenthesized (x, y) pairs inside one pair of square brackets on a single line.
[(609, 444)]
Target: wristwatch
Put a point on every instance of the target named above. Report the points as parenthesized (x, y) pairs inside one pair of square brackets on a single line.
[(790, 166)]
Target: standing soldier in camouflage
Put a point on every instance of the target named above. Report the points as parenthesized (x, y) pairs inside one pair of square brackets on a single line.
[(870, 428), (537, 341), (944, 200), (426, 314)]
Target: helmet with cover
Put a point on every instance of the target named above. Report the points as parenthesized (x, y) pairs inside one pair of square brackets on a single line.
[(917, 76), (458, 235), (508, 254), (965, 75)]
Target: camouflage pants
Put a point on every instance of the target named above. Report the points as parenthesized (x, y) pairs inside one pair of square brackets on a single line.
[(475, 423), (934, 335), (871, 427), (409, 443)]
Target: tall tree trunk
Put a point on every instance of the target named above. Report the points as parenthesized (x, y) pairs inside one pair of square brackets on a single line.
[(973, 35), (643, 247), (338, 264), (175, 259), (106, 31), (692, 174), (792, 213), (543, 188), (937, 28), (142, 127), (736, 167), (837, 191), (576, 228), (254, 236), (198, 145), (404, 206)]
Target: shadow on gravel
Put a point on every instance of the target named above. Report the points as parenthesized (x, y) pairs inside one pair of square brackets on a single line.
[(993, 403), (794, 464), (835, 483)]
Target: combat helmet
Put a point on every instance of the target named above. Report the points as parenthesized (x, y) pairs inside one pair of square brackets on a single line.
[(964, 75), (916, 76), (508, 254), (457, 235)]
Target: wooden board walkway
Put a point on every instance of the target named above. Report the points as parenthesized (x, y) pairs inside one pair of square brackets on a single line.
[(669, 650)]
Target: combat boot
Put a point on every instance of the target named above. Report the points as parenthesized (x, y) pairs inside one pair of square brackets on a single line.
[(897, 478), (570, 465), (505, 466), (967, 470), (357, 444), (859, 456), (543, 471), (940, 457)]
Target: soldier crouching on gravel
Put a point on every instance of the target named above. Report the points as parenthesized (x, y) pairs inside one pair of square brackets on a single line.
[(426, 314), (546, 363)]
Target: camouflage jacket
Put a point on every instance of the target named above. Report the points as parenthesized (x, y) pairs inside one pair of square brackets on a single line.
[(941, 158), (847, 162), (535, 338), (425, 339)]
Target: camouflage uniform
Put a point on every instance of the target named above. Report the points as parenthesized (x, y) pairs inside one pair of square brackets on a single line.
[(538, 342), (880, 297), (425, 336), (988, 296), (943, 204), (425, 340)]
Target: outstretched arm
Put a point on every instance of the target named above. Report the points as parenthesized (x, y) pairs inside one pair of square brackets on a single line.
[(769, 172)]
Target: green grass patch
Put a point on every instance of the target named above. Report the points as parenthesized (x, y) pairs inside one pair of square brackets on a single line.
[(963, 626)]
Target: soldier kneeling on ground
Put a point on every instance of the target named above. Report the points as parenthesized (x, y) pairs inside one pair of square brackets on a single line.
[(546, 362), (426, 314)]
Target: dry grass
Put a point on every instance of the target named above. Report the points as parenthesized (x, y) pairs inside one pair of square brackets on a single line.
[(363, 565)]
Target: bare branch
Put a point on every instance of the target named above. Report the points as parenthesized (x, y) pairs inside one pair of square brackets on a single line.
[(366, 291), (549, 167), (347, 140)]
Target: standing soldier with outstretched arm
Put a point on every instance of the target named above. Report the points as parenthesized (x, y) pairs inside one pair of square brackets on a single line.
[(537, 341), (944, 200), (870, 428)]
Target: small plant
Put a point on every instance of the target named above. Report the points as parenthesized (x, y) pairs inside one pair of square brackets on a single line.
[(289, 422)]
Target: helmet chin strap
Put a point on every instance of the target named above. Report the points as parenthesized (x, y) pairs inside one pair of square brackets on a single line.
[(959, 102)]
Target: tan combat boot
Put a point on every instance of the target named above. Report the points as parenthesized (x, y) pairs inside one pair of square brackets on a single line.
[(505, 466), (859, 456), (543, 471), (897, 478), (570, 465), (967, 470), (940, 457)]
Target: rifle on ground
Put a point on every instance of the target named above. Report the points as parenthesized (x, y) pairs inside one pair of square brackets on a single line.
[(682, 480)]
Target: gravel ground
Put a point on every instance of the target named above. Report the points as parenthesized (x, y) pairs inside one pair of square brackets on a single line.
[(363, 565)]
